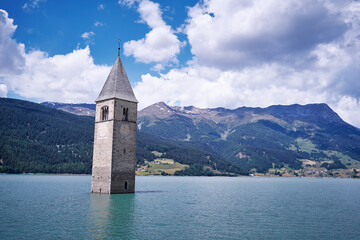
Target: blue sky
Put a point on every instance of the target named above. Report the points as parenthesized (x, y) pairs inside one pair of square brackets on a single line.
[(210, 53), (57, 28)]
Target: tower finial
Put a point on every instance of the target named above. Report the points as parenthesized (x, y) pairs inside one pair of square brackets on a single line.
[(119, 48)]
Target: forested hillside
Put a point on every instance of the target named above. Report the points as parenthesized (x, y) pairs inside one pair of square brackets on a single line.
[(35, 138), (310, 140), (39, 139)]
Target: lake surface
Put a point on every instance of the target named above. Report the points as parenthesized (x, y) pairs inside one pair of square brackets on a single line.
[(61, 207)]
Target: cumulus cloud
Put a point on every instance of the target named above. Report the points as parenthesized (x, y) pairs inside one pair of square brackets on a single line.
[(12, 54), (160, 45), (3, 90), (348, 108), (209, 87), (248, 53), (235, 34), (71, 77)]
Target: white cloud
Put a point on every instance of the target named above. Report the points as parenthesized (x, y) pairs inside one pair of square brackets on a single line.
[(128, 3), (72, 77), (158, 67), (87, 35), (160, 45), (98, 24), (150, 14), (348, 108), (231, 34), (12, 54), (209, 87), (3, 90)]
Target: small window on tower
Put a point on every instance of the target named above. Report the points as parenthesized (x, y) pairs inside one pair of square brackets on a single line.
[(126, 185), (104, 115), (125, 114)]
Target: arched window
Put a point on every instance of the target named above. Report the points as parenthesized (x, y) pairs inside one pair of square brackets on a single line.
[(125, 114), (126, 185), (104, 115)]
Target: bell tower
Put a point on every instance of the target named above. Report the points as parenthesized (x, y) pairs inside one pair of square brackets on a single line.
[(114, 156)]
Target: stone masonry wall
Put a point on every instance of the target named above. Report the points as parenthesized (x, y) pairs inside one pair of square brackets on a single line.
[(124, 148), (114, 159), (102, 153)]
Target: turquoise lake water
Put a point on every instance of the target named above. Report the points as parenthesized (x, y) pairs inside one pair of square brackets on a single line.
[(61, 207)]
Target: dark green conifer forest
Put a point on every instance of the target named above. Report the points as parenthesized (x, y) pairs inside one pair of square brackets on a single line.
[(38, 139)]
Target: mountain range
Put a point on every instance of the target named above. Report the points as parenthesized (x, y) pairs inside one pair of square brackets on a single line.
[(280, 140), (258, 139)]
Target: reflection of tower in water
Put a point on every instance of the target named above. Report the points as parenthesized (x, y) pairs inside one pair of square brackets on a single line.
[(111, 217)]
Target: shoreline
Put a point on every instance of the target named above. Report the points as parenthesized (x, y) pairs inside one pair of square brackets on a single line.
[(255, 176)]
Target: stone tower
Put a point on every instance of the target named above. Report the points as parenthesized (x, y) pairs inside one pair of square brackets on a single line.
[(114, 159)]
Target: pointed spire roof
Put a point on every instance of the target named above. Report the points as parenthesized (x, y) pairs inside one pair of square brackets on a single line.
[(117, 85)]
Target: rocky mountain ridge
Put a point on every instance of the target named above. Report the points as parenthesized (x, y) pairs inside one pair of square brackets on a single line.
[(227, 117), (82, 109), (259, 139), (281, 114)]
